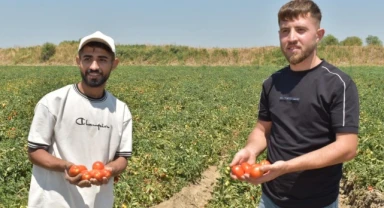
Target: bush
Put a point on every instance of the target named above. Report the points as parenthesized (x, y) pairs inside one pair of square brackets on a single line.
[(47, 51), (352, 41), (373, 41), (329, 40)]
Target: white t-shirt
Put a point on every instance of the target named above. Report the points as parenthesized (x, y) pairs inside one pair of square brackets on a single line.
[(81, 130)]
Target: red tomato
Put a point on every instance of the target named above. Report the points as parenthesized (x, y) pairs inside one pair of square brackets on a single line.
[(237, 171), (74, 171), (82, 168), (92, 173), (86, 176), (83, 171), (246, 167), (255, 171), (106, 173), (98, 165), (98, 175), (265, 162)]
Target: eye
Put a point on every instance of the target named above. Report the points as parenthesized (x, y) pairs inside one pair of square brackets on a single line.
[(301, 30), (86, 59), (284, 31)]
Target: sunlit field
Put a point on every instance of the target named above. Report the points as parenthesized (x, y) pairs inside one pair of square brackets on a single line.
[(185, 119)]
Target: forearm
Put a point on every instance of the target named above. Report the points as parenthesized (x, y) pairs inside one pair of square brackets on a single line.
[(257, 141), (118, 165), (43, 159), (337, 152)]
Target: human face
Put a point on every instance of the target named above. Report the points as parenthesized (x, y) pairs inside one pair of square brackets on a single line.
[(95, 65), (299, 38)]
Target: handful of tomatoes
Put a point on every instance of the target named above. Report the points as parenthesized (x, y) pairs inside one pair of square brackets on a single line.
[(246, 168), (98, 171)]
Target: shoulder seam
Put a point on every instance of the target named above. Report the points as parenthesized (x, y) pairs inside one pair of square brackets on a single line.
[(341, 79)]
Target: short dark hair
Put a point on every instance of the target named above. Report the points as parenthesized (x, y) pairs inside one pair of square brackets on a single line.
[(95, 44), (296, 8)]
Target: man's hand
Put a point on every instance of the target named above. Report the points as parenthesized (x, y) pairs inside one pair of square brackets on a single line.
[(105, 180), (241, 156), (270, 172), (76, 180)]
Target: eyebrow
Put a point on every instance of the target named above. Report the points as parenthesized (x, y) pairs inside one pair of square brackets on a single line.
[(297, 26), (90, 56)]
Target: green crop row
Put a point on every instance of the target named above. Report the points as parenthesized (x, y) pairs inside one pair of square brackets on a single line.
[(185, 119)]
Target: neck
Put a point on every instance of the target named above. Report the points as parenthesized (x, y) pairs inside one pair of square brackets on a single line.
[(93, 92), (309, 63)]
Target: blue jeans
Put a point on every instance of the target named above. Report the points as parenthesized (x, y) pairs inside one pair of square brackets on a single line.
[(266, 202)]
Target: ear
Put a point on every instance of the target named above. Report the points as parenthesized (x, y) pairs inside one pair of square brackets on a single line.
[(115, 63), (320, 34), (77, 60)]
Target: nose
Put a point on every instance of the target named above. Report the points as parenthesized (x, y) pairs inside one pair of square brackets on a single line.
[(292, 36), (94, 65)]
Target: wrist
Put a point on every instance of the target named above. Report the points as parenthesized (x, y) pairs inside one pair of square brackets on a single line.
[(289, 166), (252, 151), (66, 166)]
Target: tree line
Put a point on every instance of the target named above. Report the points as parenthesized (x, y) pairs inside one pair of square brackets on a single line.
[(330, 40)]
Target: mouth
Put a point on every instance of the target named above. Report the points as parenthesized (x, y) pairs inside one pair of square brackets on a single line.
[(93, 74), (293, 48)]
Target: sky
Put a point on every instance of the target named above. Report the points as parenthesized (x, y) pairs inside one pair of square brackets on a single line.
[(195, 23)]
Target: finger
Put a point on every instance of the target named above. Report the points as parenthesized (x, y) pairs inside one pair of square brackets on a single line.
[(73, 180), (255, 181), (251, 160), (266, 168), (76, 179), (233, 176), (95, 182), (84, 183), (105, 180), (236, 160), (236, 178)]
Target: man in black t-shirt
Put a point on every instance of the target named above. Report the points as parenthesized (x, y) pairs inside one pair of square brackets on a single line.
[(308, 119)]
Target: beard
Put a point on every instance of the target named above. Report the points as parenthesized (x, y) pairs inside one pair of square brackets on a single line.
[(300, 56), (95, 81)]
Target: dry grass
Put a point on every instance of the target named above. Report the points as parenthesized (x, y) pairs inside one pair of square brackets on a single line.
[(181, 55)]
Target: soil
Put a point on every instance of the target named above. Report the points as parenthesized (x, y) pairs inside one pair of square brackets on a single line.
[(194, 195), (358, 198), (197, 195)]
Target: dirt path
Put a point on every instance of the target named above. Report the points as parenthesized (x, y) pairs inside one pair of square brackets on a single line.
[(197, 195), (342, 199)]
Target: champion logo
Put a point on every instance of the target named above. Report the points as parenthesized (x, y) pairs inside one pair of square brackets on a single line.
[(84, 122)]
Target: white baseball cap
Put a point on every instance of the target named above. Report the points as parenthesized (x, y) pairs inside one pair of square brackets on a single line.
[(98, 37)]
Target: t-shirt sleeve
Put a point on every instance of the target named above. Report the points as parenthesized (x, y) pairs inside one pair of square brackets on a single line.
[(125, 147), (41, 130), (345, 108), (264, 113)]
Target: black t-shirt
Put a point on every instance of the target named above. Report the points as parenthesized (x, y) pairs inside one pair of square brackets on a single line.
[(307, 109)]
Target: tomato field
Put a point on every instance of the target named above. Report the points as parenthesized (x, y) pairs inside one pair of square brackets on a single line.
[(185, 119)]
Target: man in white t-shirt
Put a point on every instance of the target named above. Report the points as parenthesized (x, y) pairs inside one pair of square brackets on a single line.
[(80, 124)]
